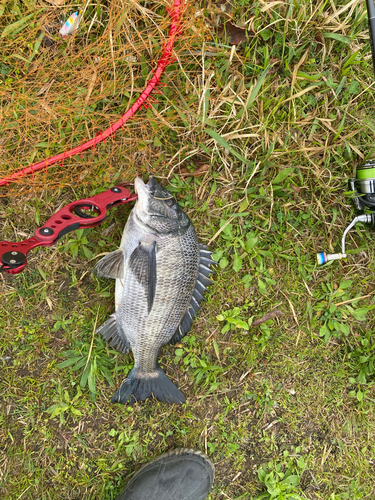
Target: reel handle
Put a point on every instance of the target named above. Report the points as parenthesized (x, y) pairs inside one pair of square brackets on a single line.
[(322, 257)]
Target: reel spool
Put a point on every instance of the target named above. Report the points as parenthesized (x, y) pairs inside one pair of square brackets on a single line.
[(363, 187)]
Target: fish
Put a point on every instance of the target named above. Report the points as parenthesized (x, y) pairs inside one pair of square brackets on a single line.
[(161, 273)]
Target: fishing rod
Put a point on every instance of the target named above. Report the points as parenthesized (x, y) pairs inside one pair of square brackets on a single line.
[(363, 184), (371, 25)]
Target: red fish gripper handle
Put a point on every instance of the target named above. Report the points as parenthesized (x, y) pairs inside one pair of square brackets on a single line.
[(13, 255)]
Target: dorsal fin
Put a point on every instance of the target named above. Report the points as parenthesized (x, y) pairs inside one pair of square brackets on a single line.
[(201, 285)]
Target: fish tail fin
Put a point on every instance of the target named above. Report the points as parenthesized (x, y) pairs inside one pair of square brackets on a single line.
[(125, 390), (155, 384)]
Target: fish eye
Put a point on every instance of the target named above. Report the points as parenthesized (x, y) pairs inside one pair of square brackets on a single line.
[(170, 202)]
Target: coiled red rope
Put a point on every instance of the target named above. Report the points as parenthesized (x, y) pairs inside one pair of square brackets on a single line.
[(175, 14)]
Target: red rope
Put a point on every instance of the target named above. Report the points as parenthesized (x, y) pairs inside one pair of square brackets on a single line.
[(175, 14)]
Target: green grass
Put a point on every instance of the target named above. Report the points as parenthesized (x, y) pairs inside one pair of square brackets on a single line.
[(291, 398)]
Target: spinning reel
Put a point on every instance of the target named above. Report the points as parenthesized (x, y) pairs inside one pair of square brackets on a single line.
[(363, 187)]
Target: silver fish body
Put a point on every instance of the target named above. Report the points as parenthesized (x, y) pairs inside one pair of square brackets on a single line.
[(161, 273)]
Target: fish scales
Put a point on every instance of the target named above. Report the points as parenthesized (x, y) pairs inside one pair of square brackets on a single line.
[(147, 333), (159, 284)]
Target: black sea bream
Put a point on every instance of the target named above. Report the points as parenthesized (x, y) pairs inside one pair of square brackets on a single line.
[(161, 273)]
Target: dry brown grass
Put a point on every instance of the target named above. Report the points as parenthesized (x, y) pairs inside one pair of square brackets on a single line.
[(58, 93)]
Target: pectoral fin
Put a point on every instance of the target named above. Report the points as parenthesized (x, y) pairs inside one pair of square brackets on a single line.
[(142, 262), (112, 265)]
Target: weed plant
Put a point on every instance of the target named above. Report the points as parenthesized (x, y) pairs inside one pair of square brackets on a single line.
[(256, 141)]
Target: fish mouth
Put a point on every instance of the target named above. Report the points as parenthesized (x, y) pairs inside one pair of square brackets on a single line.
[(151, 184), (144, 192), (140, 186)]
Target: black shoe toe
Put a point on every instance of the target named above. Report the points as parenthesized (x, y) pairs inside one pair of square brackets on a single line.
[(181, 474)]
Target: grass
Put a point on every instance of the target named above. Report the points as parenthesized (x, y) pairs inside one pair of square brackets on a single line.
[(284, 409)]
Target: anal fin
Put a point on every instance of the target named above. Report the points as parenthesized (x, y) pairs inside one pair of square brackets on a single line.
[(110, 332)]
